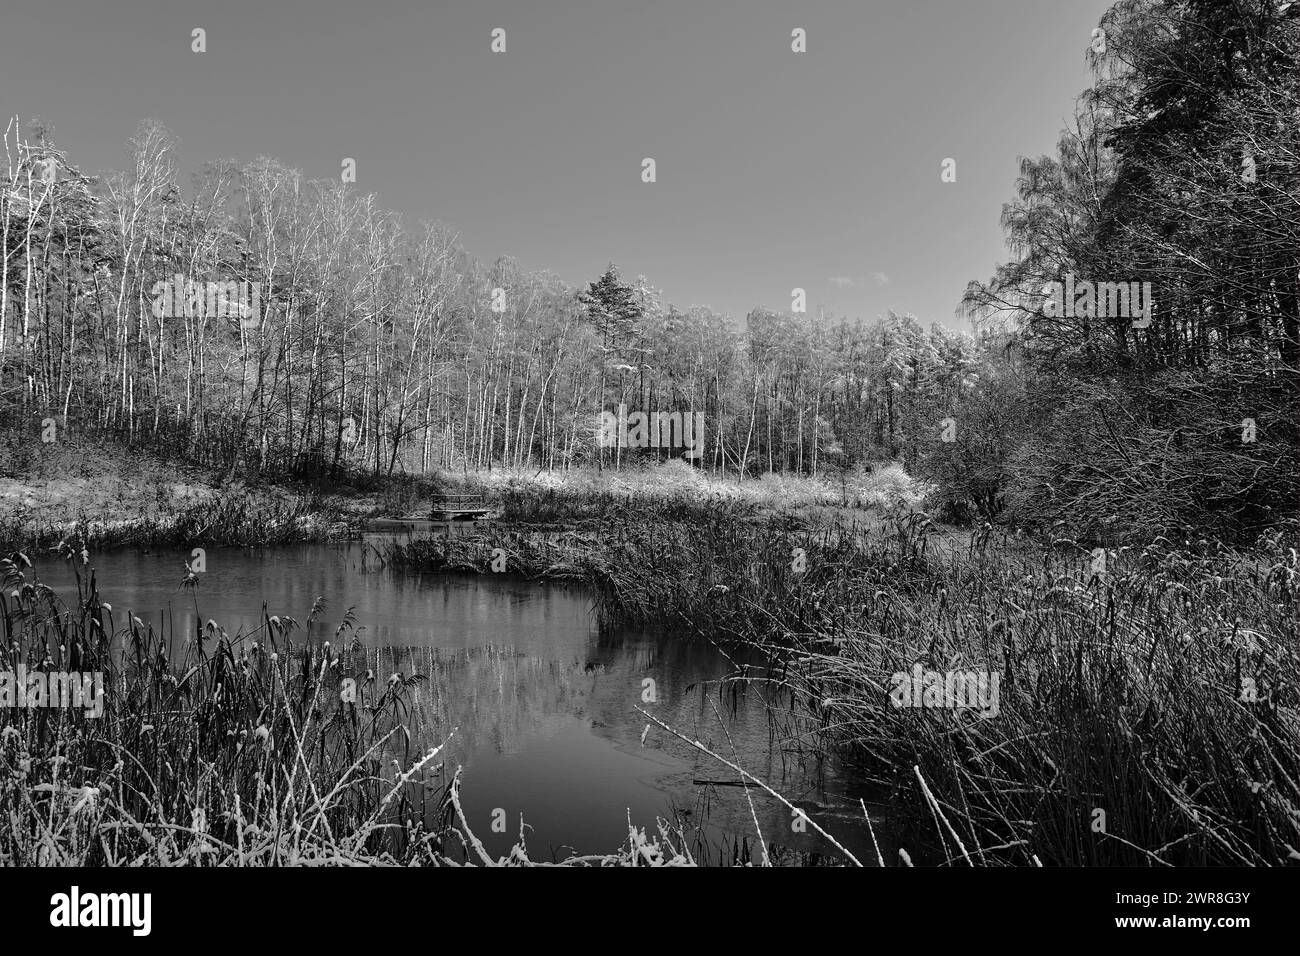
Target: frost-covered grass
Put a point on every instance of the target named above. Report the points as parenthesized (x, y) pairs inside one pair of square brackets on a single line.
[(1159, 692), (676, 487), (101, 494), (239, 752), (235, 517)]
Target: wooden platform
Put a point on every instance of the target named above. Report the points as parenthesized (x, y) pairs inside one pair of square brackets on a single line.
[(459, 514), (459, 508), (449, 508)]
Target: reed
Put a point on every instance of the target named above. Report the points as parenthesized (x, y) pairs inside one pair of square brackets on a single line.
[(213, 750), (1148, 714), (676, 489), (234, 518)]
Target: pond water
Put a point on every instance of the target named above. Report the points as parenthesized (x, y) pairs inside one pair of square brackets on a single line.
[(542, 703)]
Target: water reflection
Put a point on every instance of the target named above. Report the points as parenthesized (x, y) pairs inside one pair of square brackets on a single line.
[(543, 705)]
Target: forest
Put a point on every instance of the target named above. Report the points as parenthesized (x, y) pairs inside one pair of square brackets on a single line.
[(386, 348)]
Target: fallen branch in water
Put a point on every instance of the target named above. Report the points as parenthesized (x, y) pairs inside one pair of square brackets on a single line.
[(745, 773)]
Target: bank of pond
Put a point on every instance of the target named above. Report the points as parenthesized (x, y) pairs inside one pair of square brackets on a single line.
[(533, 701)]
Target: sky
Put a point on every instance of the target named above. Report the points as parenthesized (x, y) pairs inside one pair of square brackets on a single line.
[(774, 169)]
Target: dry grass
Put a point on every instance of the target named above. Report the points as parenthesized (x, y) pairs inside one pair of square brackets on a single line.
[(675, 488), (239, 751), (1148, 715)]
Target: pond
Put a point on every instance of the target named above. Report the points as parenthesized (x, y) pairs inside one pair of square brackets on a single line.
[(543, 703)]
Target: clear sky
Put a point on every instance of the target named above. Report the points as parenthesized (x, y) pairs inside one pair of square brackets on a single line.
[(775, 169)]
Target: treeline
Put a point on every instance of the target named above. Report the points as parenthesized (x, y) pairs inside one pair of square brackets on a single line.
[(1182, 170), (370, 347)]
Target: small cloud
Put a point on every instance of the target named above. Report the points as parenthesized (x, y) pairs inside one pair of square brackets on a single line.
[(881, 279), (842, 282)]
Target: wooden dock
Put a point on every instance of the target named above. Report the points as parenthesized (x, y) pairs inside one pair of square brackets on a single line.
[(459, 508), (444, 508)]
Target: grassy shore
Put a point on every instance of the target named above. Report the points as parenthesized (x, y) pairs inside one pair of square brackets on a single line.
[(240, 751), (590, 497), (100, 495), (1148, 715)]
